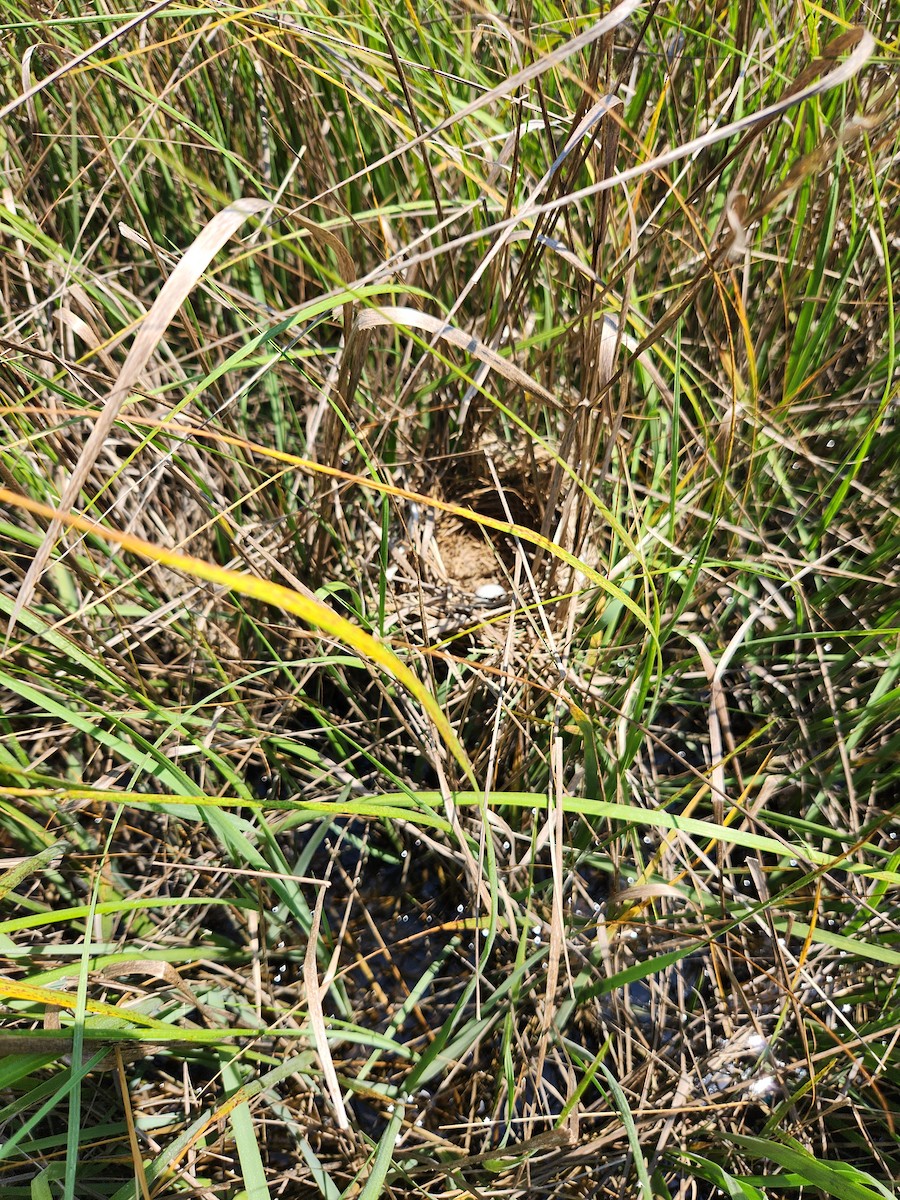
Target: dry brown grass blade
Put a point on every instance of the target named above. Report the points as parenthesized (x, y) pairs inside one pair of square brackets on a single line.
[(865, 46), (314, 993), (508, 87), (120, 32), (852, 65), (170, 299), (140, 1174), (602, 108), (151, 969), (346, 265), (412, 318), (816, 159)]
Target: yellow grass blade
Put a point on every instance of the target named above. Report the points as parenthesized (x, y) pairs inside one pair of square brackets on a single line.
[(310, 610), (11, 989), (522, 532)]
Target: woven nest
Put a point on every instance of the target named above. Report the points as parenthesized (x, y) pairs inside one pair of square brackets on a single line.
[(448, 572)]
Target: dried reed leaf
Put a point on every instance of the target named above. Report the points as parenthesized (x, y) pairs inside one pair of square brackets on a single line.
[(118, 34), (314, 993), (864, 48), (412, 318), (540, 66), (170, 299)]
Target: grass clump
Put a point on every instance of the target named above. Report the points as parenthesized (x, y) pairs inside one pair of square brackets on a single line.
[(448, 559)]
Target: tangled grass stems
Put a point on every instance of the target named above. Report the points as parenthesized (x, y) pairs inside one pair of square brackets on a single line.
[(548, 403)]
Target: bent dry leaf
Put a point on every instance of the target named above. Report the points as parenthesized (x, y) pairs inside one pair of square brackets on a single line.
[(540, 65), (173, 294), (863, 47), (308, 609), (412, 318), (118, 34), (315, 992)]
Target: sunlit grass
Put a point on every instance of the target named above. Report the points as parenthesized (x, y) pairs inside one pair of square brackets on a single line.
[(496, 541)]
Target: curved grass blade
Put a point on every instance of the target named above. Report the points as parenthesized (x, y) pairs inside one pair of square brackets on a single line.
[(308, 609), (841, 1180), (172, 295)]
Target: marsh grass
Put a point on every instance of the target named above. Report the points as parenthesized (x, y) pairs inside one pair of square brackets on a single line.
[(449, 739)]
